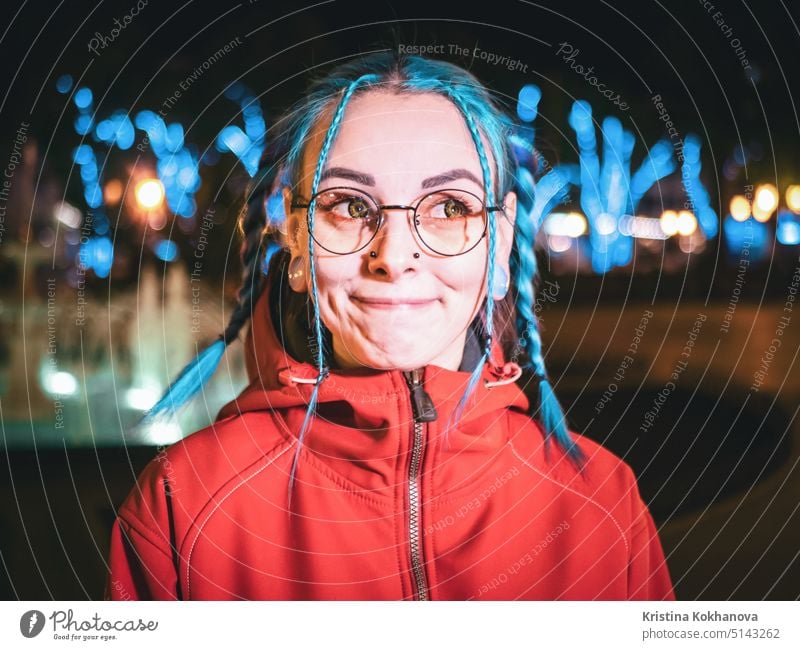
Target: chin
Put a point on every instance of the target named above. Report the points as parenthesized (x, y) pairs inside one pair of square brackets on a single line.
[(391, 360)]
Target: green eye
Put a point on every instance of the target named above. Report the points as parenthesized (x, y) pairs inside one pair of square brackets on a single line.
[(453, 208), (357, 208)]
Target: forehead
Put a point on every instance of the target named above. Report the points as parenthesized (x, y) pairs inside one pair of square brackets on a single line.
[(397, 139)]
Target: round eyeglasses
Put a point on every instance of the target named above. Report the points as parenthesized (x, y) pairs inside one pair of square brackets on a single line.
[(448, 221)]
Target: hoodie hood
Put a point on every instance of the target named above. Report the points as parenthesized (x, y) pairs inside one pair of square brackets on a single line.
[(276, 376)]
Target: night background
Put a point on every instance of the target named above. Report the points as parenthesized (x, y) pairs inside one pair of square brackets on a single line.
[(125, 154)]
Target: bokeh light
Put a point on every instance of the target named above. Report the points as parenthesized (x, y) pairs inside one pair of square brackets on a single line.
[(740, 207), (150, 193)]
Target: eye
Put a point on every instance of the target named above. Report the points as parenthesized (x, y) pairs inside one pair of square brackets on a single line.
[(447, 207), (347, 206), (454, 208), (357, 208)]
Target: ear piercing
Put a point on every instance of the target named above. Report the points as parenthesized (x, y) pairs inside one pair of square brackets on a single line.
[(295, 274), (500, 283)]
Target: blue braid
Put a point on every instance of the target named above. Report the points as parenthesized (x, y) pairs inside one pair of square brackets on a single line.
[(534, 200), (199, 371), (322, 370), (187, 384)]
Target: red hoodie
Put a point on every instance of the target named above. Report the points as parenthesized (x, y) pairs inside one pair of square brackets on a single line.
[(382, 507)]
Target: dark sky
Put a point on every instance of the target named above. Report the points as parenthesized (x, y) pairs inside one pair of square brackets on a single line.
[(684, 51)]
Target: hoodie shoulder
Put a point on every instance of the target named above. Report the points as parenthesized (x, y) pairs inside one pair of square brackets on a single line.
[(526, 433), (192, 470), (228, 447), (605, 479), (174, 487)]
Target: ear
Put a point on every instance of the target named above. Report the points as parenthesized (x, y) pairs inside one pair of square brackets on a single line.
[(505, 228), (293, 223)]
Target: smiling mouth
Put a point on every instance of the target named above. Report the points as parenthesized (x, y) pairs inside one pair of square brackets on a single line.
[(391, 303)]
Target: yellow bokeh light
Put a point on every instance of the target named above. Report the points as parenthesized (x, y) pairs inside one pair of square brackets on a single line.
[(759, 214), (687, 223), (566, 224), (669, 222), (149, 193), (575, 224), (766, 200), (793, 198), (740, 208), (112, 192)]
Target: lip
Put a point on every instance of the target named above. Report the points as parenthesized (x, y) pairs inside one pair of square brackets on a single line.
[(393, 303)]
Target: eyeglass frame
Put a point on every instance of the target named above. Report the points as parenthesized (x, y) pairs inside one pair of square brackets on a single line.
[(381, 219)]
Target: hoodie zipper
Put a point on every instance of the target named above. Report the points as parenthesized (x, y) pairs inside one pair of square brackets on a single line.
[(423, 411)]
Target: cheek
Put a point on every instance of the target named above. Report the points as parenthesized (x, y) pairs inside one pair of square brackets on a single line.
[(465, 276), (470, 289), (335, 278)]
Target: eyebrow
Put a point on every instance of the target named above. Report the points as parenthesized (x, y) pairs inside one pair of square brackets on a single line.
[(368, 179)]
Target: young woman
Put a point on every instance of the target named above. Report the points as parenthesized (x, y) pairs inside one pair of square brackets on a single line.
[(385, 448)]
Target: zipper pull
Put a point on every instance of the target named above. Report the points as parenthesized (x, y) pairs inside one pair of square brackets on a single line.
[(424, 410)]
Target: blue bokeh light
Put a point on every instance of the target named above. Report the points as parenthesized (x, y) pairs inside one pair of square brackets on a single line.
[(97, 253), (83, 124), (749, 234), (787, 229), (83, 98), (64, 83), (690, 174), (166, 250), (528, 102)]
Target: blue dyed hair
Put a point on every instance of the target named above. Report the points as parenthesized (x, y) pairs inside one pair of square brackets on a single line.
[(281, 166)]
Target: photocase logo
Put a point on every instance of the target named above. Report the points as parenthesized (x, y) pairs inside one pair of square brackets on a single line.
[(31, 623)]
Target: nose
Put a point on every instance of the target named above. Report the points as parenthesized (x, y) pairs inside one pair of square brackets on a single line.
[(395, 249)]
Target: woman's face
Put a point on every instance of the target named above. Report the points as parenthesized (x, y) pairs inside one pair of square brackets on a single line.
[(398, 148)]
